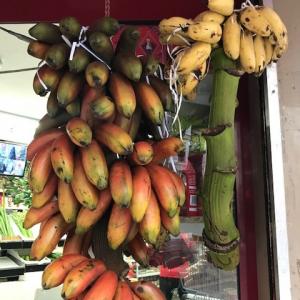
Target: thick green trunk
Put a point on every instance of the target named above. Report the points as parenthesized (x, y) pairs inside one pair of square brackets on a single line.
[(220, 231)]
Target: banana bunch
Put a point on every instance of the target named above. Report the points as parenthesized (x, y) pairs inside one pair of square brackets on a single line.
[(84, 278), (256, 36), (91, 160)]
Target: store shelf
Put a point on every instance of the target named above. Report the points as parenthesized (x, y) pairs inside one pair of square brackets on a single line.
[(21, 244), (9, 268)]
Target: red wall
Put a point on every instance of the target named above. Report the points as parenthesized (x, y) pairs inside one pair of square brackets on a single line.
[(88, 10)]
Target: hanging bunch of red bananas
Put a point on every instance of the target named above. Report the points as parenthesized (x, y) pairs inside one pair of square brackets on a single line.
[(92, 155), (89, 279)]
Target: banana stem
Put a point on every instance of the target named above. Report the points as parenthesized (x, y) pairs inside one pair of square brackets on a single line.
[(220, 231)]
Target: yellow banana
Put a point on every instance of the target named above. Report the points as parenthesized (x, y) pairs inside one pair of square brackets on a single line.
[(187, 83), (277, 53), (193, 57), (207, 32), (277, 27), (260, 54), (223, 7), (247, 53), (269, 50), (254, 21), (232, 37), (210, 16), (168, 26)]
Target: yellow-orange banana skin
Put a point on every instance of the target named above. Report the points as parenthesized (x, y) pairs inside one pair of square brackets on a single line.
[(150, 225), (171, 224), (147, 291), (79, 132), (56, 272), (40, 169), (62, 158), (123, 94), (104, 288), (37, 215), (119, 225), (142, 153), (85, 192), (120, 182), (50, 234), (165, 148), (94, 165), (150, 102), (164, 188), (81, 276), (40, 199), (115, 138), (87, 218), (41, 140), (180, 187), (141, 193), (67, 202), (123, 292)]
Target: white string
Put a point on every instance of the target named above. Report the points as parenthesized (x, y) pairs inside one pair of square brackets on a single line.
[(161, 74), (147, 79), (81, 40)]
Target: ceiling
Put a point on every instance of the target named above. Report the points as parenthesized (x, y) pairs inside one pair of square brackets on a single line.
[(20, 107)]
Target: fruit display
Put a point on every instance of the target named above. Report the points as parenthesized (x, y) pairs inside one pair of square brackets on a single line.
[(94, 157), (232, 42), (99, 158)]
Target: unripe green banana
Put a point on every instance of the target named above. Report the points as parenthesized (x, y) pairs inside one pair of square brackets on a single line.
[(80, 61), (128, 40), (46, 32), (52, 105), (129, 65), (102, 46), (57, 56), (70, 27), (107, 25)]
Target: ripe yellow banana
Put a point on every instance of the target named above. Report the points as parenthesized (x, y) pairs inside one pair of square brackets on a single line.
[(232, 37), (269, 50), (193, 57), (210, 16), (277, 27), (223, 7), (207, 32), (254, 21), (167, 26), (247, 53), (260, 54), (187, 83), (277, 53)]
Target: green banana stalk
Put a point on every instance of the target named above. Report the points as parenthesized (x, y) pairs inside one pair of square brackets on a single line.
[(220, 232)]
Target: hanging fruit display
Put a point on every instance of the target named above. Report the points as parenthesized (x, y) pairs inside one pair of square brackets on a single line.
[(235, 42), (98, 155)]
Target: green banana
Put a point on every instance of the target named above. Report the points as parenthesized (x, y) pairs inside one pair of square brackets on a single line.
[(129, 65), (73, 108), (70, 27), (102, 46), (107, 25), (57, 56), (46, 32), (150, 65), (80, 61), (128, 40), (52, 105)]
